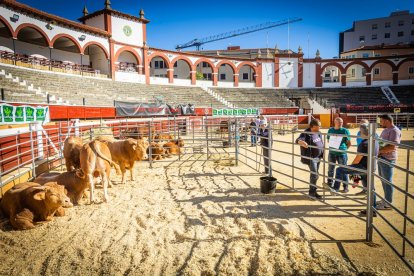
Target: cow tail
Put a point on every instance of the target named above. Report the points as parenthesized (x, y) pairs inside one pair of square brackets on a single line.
[(112, 163)]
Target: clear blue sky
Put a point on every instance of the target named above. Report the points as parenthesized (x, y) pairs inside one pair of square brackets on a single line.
[(175, 22)]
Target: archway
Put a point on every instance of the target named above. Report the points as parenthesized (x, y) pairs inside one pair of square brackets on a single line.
[(204, 69), (127, 62), (356, 74), (226, 72), (6, 41), (331, 74), (406, 71), (159, 69), (381, 72), (66, 55), (247, 74), (31, 45), (98, 59), (182, 70)]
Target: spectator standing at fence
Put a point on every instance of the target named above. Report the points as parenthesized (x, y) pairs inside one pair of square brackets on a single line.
[(265, 142), (342, 142), (360, 161), (359, 139), (387, 153), (311, 151), (253, 132), (263, 119)]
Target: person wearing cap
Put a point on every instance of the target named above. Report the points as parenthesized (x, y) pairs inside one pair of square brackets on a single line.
[(359, 139), (311, 151), (387, 153), (360, 160), (253, 132), (265, 143)]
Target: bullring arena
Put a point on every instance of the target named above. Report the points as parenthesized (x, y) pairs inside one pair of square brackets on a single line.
[(196, 205)]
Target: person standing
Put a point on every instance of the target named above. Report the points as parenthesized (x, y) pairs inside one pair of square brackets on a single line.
[(253, 132), (387, 153), (311, 151), (265, 142), (359, 138), (342, 143)]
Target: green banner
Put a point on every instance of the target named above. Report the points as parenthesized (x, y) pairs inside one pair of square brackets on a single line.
[(23, 114), (236, 112)]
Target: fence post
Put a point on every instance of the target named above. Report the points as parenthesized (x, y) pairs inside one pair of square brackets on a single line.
[(60, 145), (270, 146), (293, 159), (39, 137), (32, 150), (90, 134), (2, 94), (179, 130), (407, 175), (236, 142), (370, 180), (324, 165), (206, 128), (193, 129), (150, 147)]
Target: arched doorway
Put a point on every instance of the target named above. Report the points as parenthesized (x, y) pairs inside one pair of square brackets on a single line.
[(356, 74), (182, 71), (406, 72), (6, 41), (381, 73), (98, 59), (66, 56), (204, 72), (331, 75), (32, 47), (225, 75), (159, 67), (127, 62), (247, 76)]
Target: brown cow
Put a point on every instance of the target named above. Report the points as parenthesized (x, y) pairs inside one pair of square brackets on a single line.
[(174, 146), (157, 151), (95, 160), (74, 182), (71, 152), (126, 152), (163, 137), (30, 202)]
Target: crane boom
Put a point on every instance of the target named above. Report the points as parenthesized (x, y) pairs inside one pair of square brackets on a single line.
[(268, 25)]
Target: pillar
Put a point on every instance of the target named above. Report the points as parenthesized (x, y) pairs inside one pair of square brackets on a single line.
[(236, 80), (193, 77), (170, 75), (368, 78), (258, 74), (300, 72), (394, 77), (343, 79), (276, 73), (215, 78), (318, 76), (140, 69), (146, 62)]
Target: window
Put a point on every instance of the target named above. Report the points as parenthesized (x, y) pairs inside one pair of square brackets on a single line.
[(353, 72), (377, 55), (159, 64), (387, 35), (387, 24), (175, 76), (362, 38), (363, 72), (205, 64), (365, 55), (374, 26), (411, 70), (401, 23), (222, 76), (176, 64), (374, 37), (376, 71), (245, 76), (400, 34), (207, 76)]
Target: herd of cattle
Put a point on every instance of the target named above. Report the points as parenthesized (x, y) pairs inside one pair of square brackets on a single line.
[(50, 193)]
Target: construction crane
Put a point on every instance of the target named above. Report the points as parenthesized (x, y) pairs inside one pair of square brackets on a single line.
[(198, 42)]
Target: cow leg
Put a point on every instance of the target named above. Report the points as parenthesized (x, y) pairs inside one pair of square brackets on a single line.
[(105, 181), (68, 165), (91, 188), (123, 170), (131, 167), (22, 220)]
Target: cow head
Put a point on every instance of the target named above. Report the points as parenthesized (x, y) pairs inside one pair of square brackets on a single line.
[(53, 195), (179, 142), (140, 149)]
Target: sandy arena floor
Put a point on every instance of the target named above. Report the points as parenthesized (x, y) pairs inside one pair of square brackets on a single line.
[(201, 218)]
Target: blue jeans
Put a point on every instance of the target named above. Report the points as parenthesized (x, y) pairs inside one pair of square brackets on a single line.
[(386, 171), (313, 168), (342, 175), (253, 139), (341, 159)]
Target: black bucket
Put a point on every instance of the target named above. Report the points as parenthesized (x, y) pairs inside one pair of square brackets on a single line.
[(267, 184)]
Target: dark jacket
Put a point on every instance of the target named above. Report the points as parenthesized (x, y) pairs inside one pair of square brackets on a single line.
[(314, 139), (264, 137), (253, 128)]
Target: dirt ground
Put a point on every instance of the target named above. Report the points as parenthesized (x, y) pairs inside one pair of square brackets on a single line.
[(205, 218)]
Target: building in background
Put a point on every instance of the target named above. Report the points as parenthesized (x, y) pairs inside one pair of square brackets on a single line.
[(398, 28)]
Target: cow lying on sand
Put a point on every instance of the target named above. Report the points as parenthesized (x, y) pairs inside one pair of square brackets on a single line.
[(30, 202), (126, 152), (74, 182), (173, 147)]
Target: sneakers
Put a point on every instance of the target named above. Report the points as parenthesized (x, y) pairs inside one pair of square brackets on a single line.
[(364, 213), (314, 195), (344, 191), (382, 205), (363, 192)]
